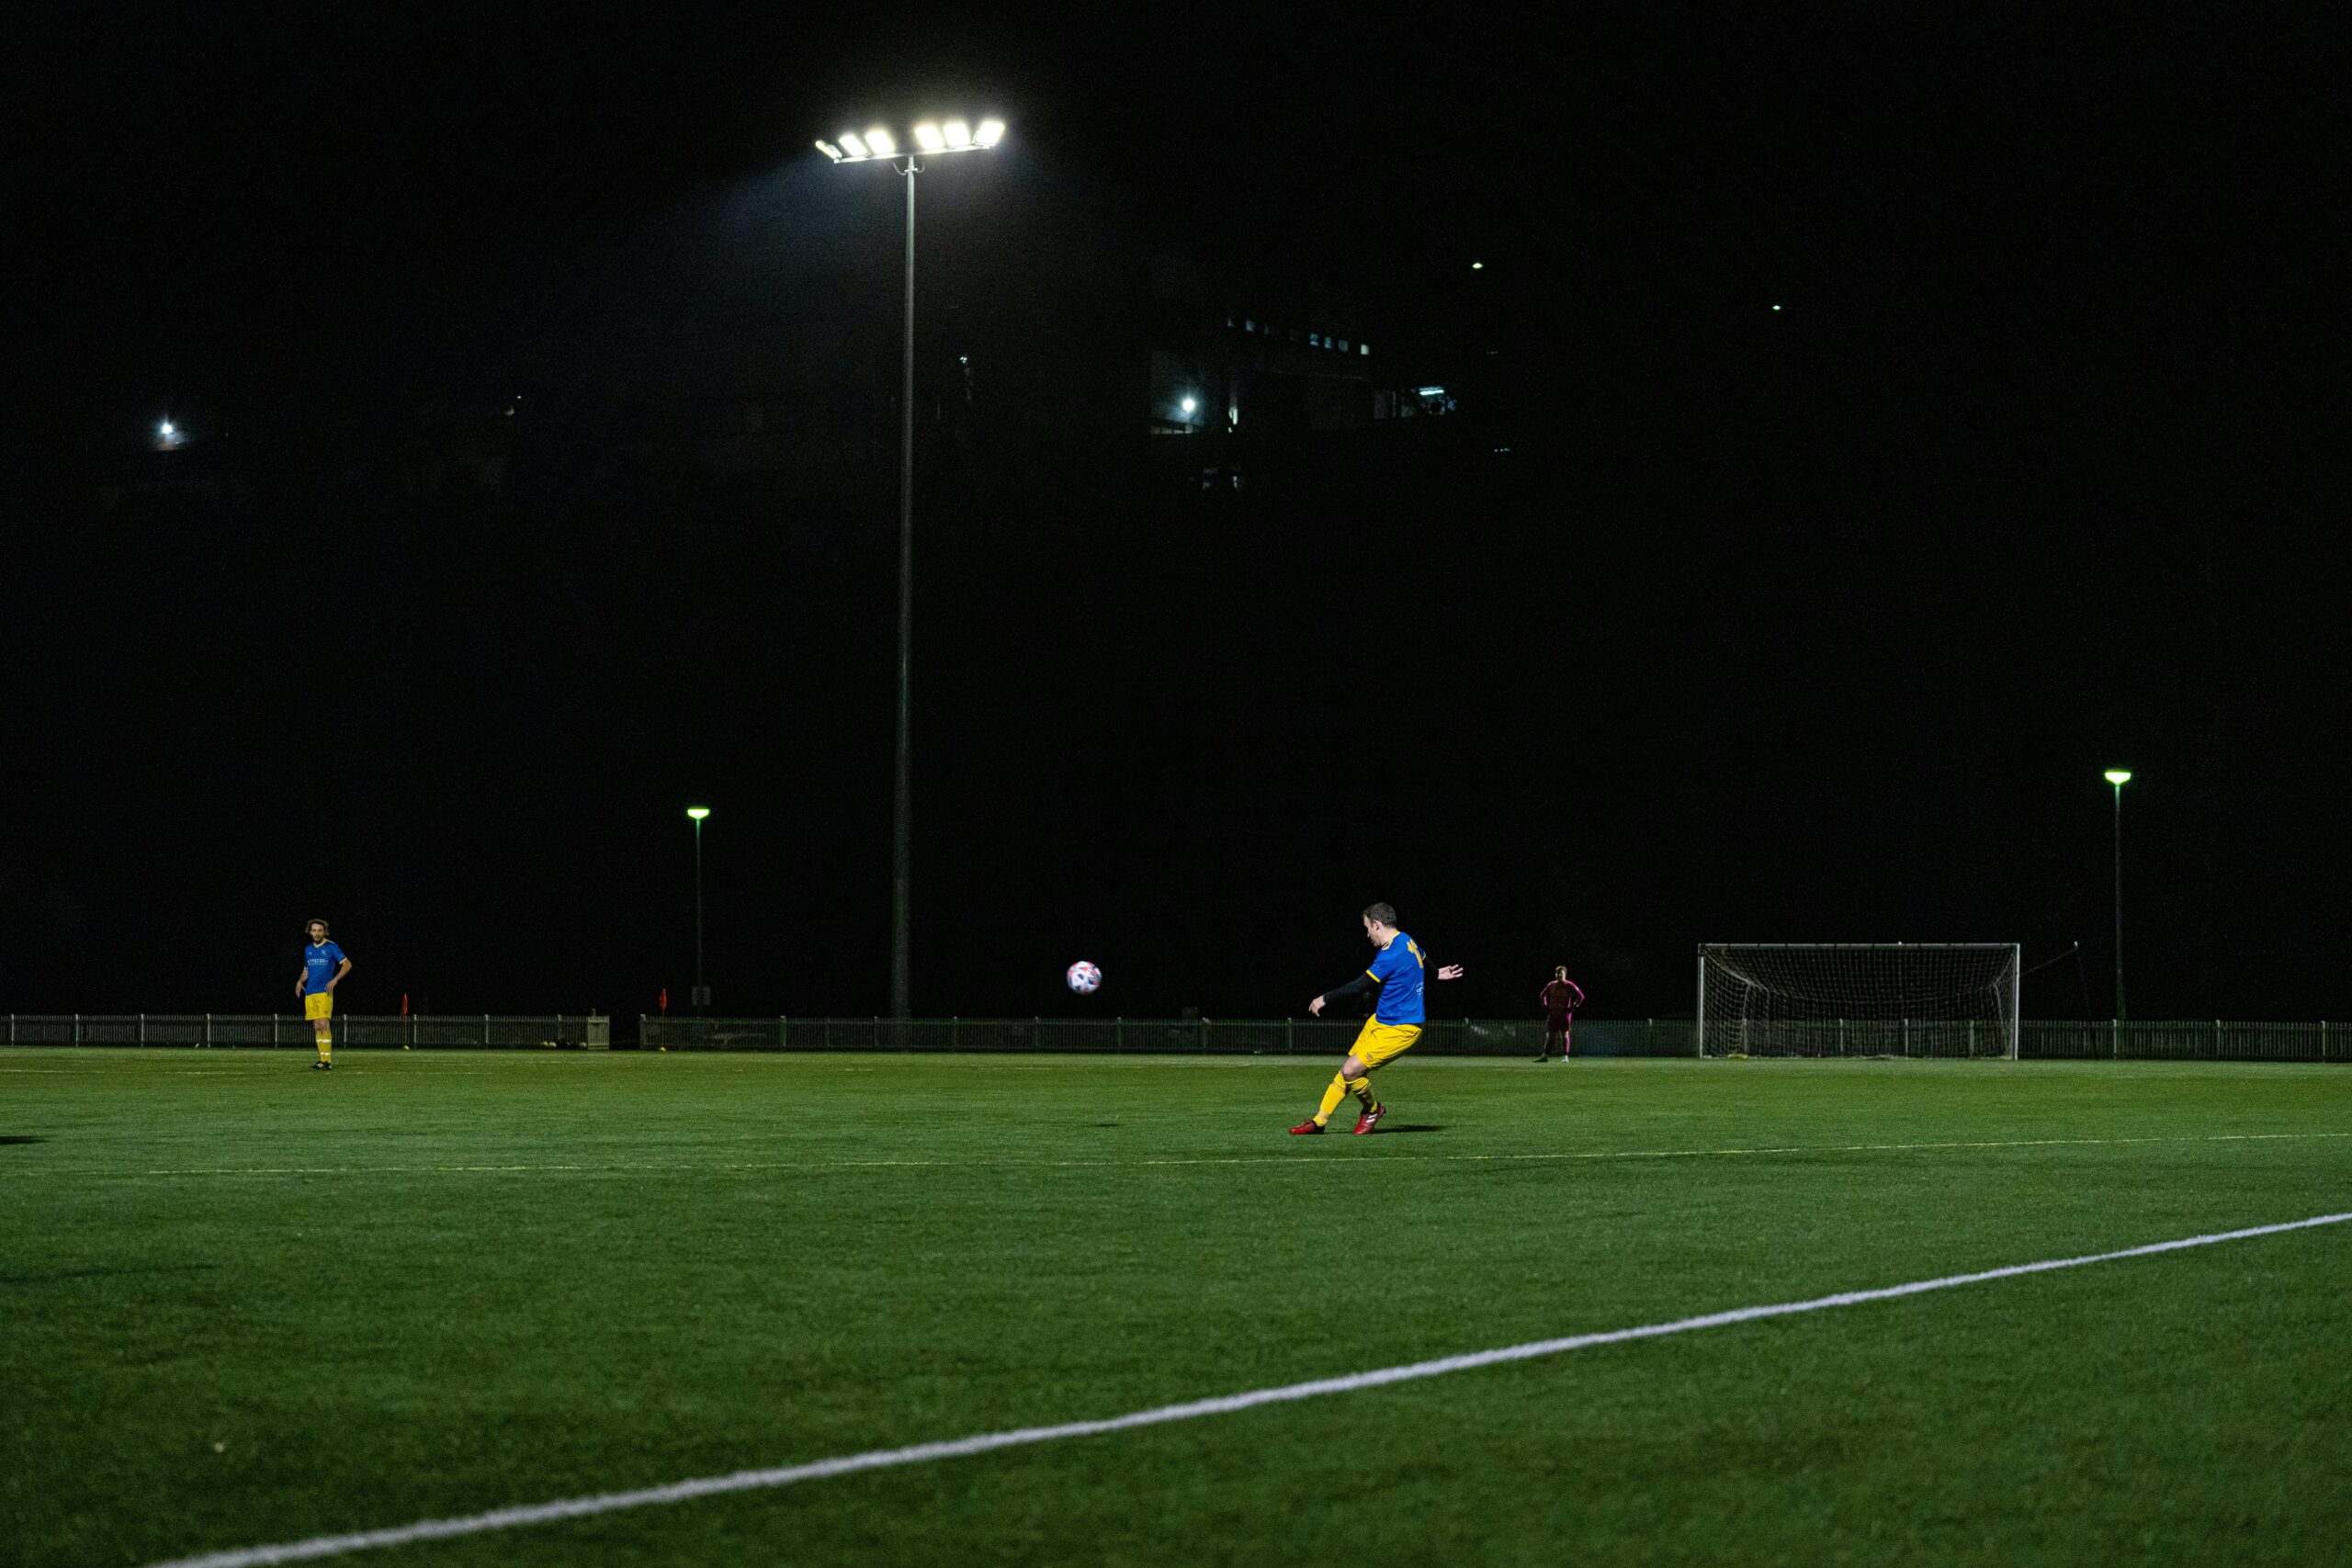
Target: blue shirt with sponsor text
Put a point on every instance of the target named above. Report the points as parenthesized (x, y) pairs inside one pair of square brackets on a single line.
[(320, 961), (1398, 970)]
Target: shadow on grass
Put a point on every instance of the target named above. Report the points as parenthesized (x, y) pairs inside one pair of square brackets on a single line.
[(64, 1274), (1410, 1127), (22, 1138)]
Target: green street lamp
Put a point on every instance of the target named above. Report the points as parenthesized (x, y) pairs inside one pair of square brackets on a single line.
[(702, 992), (880, 144), (2119, 777)]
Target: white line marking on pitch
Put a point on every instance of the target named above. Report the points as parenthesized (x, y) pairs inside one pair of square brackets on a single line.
[(1224, 1405)]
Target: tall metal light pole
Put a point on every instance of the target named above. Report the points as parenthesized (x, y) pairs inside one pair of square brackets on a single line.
[(2119, 777), (702, 992), (880, 144)]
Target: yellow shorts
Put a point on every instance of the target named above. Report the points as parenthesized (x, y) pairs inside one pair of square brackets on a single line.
[(318, 1005), (1382, 1043)]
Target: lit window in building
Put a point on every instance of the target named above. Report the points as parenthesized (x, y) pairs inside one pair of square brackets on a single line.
[(1229, 321), (1363, 348), (1249, 323), (1314, 340), (1343, 345)]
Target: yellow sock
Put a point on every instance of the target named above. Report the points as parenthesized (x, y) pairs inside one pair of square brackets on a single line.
[(1361, 1088), (1333, 1094), (326, 1047)]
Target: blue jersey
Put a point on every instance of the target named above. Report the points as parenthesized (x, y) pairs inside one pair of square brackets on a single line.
[(1398, 970), (320, 961)]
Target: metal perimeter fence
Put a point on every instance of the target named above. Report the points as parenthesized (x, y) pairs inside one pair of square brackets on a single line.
[(2198, 1041)]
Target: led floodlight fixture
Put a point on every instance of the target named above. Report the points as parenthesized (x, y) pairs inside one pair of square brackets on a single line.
[(929, 135)]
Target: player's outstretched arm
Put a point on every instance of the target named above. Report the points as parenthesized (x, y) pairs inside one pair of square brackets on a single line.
[(1450, 972), (1356, 987)]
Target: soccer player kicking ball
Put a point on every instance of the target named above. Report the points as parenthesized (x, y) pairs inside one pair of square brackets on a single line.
[(324, 967), (1394, 1024)]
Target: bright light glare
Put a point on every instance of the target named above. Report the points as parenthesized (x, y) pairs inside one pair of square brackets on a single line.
[(853, 144), (927, 137), (697, 812), (164, 429), (829, 150), (992, 132), (2118, 777), (958, 134), (1189, 405), (884, 144), (1478, 266)]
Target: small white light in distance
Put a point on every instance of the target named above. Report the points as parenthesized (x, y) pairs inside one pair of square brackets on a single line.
[(1189, 405), (164, 429), (927, 137), (1233, 416), (853, 144), (991, 131), (958, 134), (884, 146)]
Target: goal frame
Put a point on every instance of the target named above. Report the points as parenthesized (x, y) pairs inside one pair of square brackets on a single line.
[(2015, 972)]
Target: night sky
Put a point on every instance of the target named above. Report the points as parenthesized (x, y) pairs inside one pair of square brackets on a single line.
[(1815, 623)]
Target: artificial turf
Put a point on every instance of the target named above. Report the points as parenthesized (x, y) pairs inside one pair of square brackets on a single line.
[(241, 1302)]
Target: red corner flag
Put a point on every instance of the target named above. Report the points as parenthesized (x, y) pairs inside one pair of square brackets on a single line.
[(404, 1004), (665, 1002)]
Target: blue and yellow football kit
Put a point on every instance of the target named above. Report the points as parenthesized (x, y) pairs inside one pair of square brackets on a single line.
[(1394, 1028), (320, 960), (1395, 1022)]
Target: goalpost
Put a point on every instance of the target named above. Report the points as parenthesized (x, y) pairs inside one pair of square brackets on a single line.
[(1859, 999)]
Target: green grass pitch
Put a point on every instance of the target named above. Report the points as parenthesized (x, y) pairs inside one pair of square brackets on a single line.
[(242, 1303)]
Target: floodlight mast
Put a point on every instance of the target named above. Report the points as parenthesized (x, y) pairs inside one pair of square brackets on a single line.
[(2119, 777), (702, 990), (880, 144)]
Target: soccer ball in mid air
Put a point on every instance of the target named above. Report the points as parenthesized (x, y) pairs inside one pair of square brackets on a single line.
[(1083, 977)]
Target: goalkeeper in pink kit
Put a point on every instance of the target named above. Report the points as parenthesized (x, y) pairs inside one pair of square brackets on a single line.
[(1559, 1001)]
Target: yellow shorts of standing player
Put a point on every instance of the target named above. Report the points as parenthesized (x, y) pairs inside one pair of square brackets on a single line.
[(318, 1005), (1382, 1043)]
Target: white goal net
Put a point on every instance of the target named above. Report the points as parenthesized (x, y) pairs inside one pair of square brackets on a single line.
[(1854, 998)]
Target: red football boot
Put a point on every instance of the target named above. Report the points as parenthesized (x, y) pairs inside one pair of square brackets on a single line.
[(1308, 1126), (1371, 1119)]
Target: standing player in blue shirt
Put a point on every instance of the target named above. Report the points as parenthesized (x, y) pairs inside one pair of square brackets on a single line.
[(1395, 1025), (324, 967)]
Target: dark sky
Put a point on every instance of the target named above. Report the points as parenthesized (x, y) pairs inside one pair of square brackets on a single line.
[(1814, 624)]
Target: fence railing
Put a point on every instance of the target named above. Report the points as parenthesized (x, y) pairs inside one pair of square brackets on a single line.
[(1155, 1036), (2219, 1040), (479, 1031)]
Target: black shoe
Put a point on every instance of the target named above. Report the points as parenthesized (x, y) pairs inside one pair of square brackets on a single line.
[(1546, 1057), (321, 1066)]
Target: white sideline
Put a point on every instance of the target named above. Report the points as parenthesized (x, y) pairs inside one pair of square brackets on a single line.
[(918, 1453)]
